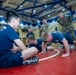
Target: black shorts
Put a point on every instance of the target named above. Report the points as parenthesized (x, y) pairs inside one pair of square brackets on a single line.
[(68, 38), (14, 59)]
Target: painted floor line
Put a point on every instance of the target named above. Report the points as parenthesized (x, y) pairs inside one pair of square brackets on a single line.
[(50, 56)]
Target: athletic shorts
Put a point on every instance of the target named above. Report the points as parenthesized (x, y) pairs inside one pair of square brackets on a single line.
[(68, 38), (14, 59)]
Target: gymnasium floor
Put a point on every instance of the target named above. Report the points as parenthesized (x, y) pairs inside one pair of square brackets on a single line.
[(50, 63)]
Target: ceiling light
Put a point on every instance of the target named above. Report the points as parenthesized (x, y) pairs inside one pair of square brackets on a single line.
[(45, 6), (20, 6), (34, 11), (63, 9), (48, 15)]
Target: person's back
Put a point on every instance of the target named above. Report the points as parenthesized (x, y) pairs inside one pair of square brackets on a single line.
[(4, 34), (35, 42), (59, 36), (6, 40), (37, 45)]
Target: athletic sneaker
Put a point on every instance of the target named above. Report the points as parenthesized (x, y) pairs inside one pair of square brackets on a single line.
[(32, 60), (72, 46)]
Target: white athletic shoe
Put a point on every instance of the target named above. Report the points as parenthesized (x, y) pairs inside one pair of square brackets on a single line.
[(72, 47)]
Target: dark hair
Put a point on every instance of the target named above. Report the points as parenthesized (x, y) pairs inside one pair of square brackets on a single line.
[(39, 26), (28, 27), (11, 14), (60, 11), (31, 37)]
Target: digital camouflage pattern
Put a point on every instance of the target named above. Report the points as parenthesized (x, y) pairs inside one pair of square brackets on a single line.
[(66, 23)]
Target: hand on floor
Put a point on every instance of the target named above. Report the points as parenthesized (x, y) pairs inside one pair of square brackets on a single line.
[(42, 52)]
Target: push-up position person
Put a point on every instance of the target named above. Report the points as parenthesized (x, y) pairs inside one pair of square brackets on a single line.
[(8, 37), (38, 43), (59, 37)]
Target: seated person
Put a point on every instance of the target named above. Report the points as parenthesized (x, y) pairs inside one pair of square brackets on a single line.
[(64, 39), (38, 44), (30, 32), (8, 37)]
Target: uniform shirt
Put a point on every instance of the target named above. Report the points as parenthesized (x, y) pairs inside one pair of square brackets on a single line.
[(28, 34), (65, 21), (38, 45), (7, 35), (57, 36), (40, 32), (45, 27)]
